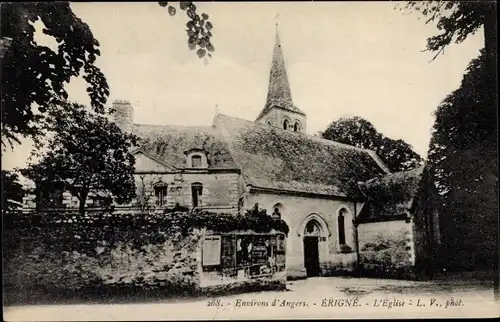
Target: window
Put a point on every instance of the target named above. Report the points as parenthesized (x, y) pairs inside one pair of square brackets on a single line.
[(269, 123), (341, 227), (285, 124), (196, 191), (196, 161), (161, 191), (312, 228), (296, 127), (276, 214)]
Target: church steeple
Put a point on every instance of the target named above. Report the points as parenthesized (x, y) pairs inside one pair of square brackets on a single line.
[(279, 95)]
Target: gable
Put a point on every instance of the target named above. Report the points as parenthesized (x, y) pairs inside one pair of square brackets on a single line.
[(146, 163)]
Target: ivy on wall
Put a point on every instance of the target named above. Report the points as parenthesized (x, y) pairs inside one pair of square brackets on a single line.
[(73, 232)]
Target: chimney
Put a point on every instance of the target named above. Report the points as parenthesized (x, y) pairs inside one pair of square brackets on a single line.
[(123, 115)]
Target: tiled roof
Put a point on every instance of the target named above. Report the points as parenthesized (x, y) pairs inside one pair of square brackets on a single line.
[(168, 143), (273, 158)]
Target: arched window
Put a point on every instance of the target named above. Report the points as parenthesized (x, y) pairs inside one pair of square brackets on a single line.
[(196, 192), (196, 161), (285, 124), (341, 226), (313, 228), (296, 127)]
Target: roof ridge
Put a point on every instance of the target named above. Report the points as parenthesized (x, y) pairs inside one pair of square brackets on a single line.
[(173, 125), (331, 142), (371, 153)]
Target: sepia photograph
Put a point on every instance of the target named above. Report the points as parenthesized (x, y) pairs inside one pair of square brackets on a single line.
[(249, 160)]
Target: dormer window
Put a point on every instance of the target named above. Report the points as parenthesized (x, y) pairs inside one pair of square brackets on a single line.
[(196, 159)]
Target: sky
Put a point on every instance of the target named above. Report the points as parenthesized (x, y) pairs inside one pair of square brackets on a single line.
[(343, 59)]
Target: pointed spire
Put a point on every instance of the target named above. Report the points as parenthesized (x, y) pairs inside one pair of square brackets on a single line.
[(279, 93), (279, 89)]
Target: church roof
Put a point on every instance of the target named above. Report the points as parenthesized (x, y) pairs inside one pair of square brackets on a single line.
[(390, 195), (273, 158), (279, 93), (168, 143), (268, 157)]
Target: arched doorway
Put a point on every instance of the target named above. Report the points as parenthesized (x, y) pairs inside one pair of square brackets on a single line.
[(312, 234)]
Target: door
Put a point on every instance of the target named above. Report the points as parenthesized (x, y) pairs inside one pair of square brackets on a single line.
[(311, 255)]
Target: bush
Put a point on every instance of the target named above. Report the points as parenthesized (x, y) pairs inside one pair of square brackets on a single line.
[(387, 256)]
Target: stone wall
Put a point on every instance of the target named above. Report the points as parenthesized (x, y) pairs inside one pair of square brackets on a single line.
[(36, 260), (104, 254), (296, 211), (277, 116), (220, 190), (387, 248)]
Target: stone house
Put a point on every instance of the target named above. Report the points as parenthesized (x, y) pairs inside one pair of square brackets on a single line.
[(325, 191)]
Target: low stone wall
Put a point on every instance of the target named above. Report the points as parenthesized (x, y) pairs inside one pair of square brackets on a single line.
[(105, 254)]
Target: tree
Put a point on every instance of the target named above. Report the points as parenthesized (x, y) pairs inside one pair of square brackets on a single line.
[(464, 164), (34, 76), (457, 20), (396, 154), (88, 154), (12, 190)]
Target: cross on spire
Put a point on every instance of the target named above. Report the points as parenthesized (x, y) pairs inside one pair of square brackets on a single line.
[(276, 22)]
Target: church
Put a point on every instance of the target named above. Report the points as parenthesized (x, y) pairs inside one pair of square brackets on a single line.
[(344, 208), (338, 200)]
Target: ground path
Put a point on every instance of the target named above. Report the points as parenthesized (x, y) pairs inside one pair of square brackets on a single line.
[(322, 297)]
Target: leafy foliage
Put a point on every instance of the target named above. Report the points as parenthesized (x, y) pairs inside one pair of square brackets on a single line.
[(463, 149), (463, 163), (87, 153), (387, 256), (12, 189), (34, 75), (456, 20), (198, 27), (356, 131), (73, 232)]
